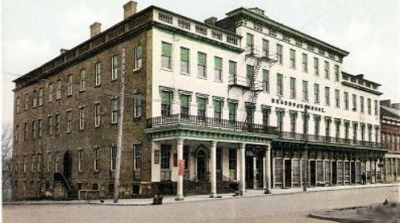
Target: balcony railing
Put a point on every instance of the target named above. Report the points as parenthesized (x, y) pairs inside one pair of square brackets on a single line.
[(209, 122), (327, 139)]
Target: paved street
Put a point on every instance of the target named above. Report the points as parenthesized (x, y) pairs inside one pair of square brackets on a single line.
[(277, 208)]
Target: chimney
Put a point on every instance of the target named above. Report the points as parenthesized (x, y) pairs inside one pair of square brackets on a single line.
[(130, 9), (95, 29), (62, 51), (211, 20)]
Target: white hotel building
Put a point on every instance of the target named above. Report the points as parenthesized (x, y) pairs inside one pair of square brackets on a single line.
[(226, 105)]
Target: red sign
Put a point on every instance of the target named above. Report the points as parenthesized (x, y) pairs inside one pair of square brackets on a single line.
[(181, 167)]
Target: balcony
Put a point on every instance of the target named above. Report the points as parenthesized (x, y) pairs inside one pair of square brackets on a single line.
[(326, 139), (193, 120), (245, 83)]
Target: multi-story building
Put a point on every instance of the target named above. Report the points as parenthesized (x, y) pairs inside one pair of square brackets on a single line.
[(211, 107), (390, 125)]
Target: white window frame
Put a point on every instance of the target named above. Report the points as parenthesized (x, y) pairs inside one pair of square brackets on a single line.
[(97, 73), (114, 67)]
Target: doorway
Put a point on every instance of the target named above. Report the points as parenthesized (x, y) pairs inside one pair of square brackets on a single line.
[(249, 169), (353, 172), (334, 173), (312, 174), (288, 173), (67, 162), (201, 166)]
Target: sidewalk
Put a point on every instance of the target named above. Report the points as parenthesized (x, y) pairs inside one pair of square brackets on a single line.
[(198, 198)]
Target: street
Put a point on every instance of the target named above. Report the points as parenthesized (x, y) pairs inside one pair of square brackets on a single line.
[(276, 208)]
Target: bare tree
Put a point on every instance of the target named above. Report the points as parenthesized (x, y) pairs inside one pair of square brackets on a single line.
[(6, 152)]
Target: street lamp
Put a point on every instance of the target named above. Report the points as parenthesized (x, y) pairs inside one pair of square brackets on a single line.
[(305, 136)]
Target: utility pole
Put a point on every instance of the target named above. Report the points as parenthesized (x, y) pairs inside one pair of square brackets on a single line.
[(305, 130), (120, 129)]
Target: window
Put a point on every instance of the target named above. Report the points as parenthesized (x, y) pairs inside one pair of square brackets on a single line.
[(137, 110), (265, 82), (369, 106), (376, 107), (250, 108), (327, 127), (316, 66), (57, 163), (280, 115), (305, 90), (69, 85), (81, 118), (34, 129), (232, 159), (326, 69), (292, 59), (355, 132), (97, 115), (113, 157), (185, 104), (114, 67), (138, 57), (165, 156), (50, 125), (69, 121), (114, 111), (337, 77), (279, 53), (80, 163), (34, 99), (346, 100), (265, 48), (316, 93), (279, 85), (354, 102), (250, 41), (166, 55), (293, 117), (327, 96), (218, 109), (137, 159), (201, 108), (58, 124), (337, 98), (51, 92), (232, 72), (232, 106), (58, 92), (97, 74), (26, 131), (26, 103), (40, 101), (18, 105), (346, 130), (250, 76), (305, 62), (82, 80), (362, 104), (218, 68), (40, 127), (265, 116), (185, 60), (166, 98), (96, 159), (48, 162), (292, 87), (16, 135), (202, 64)]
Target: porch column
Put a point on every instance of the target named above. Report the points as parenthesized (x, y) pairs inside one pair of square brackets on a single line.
[(267, 169), (242, 182), (179, 191), (213, 169)]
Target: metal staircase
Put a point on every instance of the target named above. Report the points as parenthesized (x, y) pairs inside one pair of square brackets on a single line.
[(72, 191)]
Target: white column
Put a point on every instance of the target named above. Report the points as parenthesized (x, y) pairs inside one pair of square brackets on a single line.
[(213, 169), (267, 169), (179, 191), (242, 181)]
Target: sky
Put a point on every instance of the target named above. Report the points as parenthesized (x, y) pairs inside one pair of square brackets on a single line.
[(33, 32)]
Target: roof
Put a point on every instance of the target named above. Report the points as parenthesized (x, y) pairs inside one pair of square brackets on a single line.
[(391, 112), (285, 28), (360, 77)]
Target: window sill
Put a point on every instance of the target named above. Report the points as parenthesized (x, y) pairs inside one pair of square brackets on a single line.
[(81, 91), (201, 77), (113, 80), (69, 95), (96, 171), (186, 74), (166, 69), (136, 69), (137, 118), (97, 126), (114, 123), (218, 81), (69, 131), (98, 85)]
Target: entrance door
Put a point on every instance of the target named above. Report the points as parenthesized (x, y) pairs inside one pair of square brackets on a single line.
[(312, 174), (334, 173), (288, 173), (353, 172), (201, 166), (67, 162), (260, 169), (249, 170)]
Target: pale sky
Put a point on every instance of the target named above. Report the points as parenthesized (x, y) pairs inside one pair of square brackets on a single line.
[(35, 31)]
